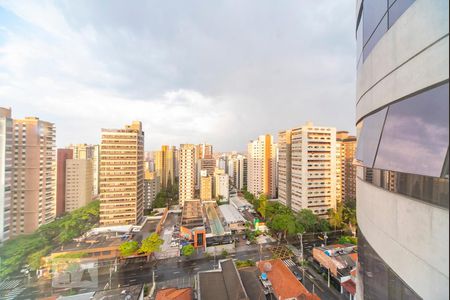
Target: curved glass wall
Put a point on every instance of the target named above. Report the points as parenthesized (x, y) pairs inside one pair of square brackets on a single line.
[(408, 136), (380, 282), (374, 20)]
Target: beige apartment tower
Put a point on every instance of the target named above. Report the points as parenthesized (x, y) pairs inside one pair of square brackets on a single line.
[(262, 163), (33, 175), (78, 183), (346, 181), (122, 175), (206, 184), (284, 167), (91, 152), (186, 188)]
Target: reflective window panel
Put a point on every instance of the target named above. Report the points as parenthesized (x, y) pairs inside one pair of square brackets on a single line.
[(416, 133)]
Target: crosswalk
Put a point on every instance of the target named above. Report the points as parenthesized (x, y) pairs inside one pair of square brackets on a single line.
[(289, 263)]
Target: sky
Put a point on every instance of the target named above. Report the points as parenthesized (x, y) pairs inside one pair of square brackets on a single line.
[(220, 72)]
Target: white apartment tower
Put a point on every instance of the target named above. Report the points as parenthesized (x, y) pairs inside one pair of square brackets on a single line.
[(187, 160), (5, 171), (262, 162), (307, 168)]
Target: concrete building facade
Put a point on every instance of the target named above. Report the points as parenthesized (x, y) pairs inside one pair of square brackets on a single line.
[(313, 169), (34, 175), (152, 186), (206, 187), (165, 165), (345, 169), (187, 160), (262, 163), (402, 103), (78, 186), (284, 167), (62, 156), (6, 164), (122, 175)]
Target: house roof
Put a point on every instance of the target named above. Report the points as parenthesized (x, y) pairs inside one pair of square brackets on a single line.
[(349, 286), (223, 284), (174, 294), (252, 284), (284, 282)]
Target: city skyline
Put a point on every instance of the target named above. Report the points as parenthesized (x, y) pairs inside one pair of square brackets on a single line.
[(179, 95)]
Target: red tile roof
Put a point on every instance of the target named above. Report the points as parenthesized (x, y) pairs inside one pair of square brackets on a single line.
[(284, 283), (174, 294), (349, 286)]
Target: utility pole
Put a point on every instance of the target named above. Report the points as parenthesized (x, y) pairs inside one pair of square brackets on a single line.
[(328, 277)]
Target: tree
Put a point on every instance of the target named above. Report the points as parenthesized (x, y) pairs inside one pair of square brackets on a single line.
[(160, 200), (348, 240), (336, 216), (308, 220), (128, 248), (151, 244), (262, 205), (284, 224), (276, 208), (188, 250)]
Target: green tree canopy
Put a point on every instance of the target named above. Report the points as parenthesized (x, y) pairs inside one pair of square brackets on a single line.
[(151, 244), (188, 250), (128, 248), (284, 223), (262, 205), (308, 220)]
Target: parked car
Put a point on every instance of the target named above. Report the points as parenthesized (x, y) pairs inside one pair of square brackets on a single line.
[(247, 243), (299, 277), (174, 244)]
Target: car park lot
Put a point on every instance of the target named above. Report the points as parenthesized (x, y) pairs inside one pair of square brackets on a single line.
[(170, 234)]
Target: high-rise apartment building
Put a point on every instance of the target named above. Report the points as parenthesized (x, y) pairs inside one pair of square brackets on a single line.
[(222, 186), (186, 188), (78, 186), (6, 164), (237, 169), (262, 163), (206, 183), (402, 185), (152, 187), (284, 167), (122, 175), (34, 175), (62, 155), (307, 168), (165, 165), (91, 152), (345, 169)]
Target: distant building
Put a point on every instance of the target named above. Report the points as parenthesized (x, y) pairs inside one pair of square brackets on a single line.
[(89, 152), (307, 168), (222, 186), (152, 187), (262, 164), (62, 156), (186, 188), (78, 186), (6, 165), (122, 175), (345, 169), (206, 183), (33, 174), (237, 169), (165, 165)]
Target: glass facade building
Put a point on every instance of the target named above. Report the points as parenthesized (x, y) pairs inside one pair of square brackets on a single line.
[(403, 149)]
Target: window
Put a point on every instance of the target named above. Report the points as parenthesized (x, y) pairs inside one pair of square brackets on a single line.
[(417, 127), (369, 131), (397, 9)]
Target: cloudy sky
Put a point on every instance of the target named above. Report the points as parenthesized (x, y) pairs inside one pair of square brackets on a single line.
[(221, 72)]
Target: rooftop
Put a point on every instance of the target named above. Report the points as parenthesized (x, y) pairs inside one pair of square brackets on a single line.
[(252, 284), (132, 292), (222, 284), (231, 214), (95, 241), (284, 283), (174, 294)]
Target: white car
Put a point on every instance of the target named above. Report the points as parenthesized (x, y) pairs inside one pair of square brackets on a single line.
[(174, 244)]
